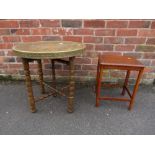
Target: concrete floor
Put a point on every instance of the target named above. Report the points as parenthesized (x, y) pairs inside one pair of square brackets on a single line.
[(51, 118)]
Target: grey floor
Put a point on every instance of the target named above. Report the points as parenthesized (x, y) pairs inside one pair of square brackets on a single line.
[(51, 118)]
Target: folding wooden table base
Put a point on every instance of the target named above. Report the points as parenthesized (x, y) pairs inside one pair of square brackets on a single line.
[(70, 87), (121, 63)]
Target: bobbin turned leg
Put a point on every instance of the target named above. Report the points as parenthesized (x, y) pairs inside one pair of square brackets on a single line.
[(40, 73), (70, 107), (53, 77), (126, 82), (135, 88), (29, 85)]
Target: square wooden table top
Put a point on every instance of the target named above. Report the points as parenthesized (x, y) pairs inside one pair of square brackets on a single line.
[(117, 60)]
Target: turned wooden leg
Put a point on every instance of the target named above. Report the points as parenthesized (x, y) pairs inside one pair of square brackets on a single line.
[(135, 88), (70, 107), (40, 73), (126, 82), (29, 85), (53, 77), (99, 81)]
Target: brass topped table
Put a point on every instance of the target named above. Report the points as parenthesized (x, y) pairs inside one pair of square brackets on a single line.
[(56, 51)]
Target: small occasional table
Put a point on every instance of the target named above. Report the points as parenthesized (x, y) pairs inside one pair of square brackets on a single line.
[(119, 63), (55, 51)]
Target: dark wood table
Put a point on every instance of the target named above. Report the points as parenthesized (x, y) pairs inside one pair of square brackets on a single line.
[(119, 63), (55, 51)]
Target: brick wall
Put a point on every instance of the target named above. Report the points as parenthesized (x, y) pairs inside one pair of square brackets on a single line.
[(126, 37)]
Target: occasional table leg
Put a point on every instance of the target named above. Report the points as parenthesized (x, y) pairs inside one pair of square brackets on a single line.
[(40, 72), (126, 82), (97, 76), (53, 76), (70, 107), (29, 85), (99, 81), (135, 89)]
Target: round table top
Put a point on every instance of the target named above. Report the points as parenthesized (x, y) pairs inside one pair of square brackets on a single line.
[(48, 49)]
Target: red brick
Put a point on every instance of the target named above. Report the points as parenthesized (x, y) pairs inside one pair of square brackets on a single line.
[(139, 24), (77, 67), (146, 33), (117, 74), (4, 32), (29, 23), (49, 23), (83, 61), (2, 65), (81, 73), (62, 31), (149, 55), (71, 23), (153, 63), (10, 53), (19, 59), (20, 31), (9, 59), (51, 38), (148, 69), (12, 71), (150, 41), (113, 40), (153, 25), (93, 73), (104, 47), (117, 24), (90, 54), (91, 39), (145, 48), (134, 40), (2, 53), (57, 66), (31, 38), (94, 61), (149, 75), (1, 61), (11, 38), (145, 62), (34, 72), (94, 23), (124, 47), (41, 31), (15, 66), (72, 38), (89, 46), (62, 73), (126, 32), (46, 61), (83, 32), (105, 32), (33, 65), (8, 24), (89, 67), (6, 45)]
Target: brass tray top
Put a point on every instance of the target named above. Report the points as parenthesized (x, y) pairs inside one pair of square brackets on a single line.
[(48, 49)]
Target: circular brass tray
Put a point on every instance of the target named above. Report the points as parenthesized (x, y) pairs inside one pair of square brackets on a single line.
[(48, 49)]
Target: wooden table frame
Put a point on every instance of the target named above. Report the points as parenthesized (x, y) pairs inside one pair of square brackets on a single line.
[(71, 87), (99, 76)]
